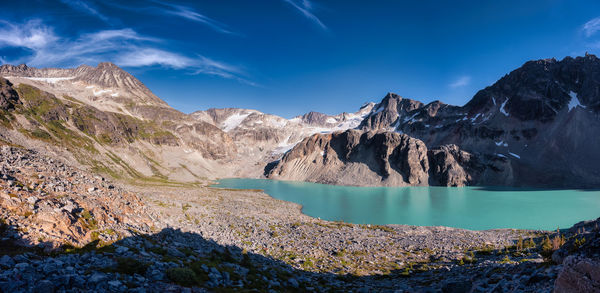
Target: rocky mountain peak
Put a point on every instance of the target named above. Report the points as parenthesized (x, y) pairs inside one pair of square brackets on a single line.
[(388, 111), (108, 65), (106, 78), (314, 118), (12, 69), (540, 89)]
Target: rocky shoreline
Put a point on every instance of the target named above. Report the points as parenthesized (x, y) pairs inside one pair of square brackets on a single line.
[(67, 230)]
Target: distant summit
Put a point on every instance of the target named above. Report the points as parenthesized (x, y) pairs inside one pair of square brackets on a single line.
[(107, 78)]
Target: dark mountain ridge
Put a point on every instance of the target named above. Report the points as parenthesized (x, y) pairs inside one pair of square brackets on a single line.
[(539, 125)]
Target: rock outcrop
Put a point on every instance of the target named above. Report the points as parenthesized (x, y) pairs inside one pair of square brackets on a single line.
[(8, 96), (451, 166), (580, 259), (373, 158)]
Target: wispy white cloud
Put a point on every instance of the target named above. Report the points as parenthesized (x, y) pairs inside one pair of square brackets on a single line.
[(306, 7), (591, 27), (190, 14), (151, 56), (86, 7), (125, 47), (165, 8), (460, 82), (31, 35)]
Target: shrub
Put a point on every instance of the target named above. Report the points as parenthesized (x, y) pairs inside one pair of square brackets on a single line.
[(578, 243), (506, 259), (130, 266), (468, 259), (520, 245), (530, 243), (41, 134), (182, 276), (557, 242), (546, 246)]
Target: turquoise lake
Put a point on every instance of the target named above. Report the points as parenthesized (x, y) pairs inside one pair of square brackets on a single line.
[(476, 208)]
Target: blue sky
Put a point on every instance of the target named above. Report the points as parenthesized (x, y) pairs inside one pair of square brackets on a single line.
[(288, 57)]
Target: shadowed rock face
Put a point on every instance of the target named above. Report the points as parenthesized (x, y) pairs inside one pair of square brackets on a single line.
[(389, 111), (451, 166), (537, 126), (8, 96), (355, 157), (540, 89)]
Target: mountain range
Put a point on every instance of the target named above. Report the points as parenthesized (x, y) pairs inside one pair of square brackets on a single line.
[(537, 126)]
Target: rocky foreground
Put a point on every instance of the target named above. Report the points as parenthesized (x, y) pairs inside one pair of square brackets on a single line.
[(66, 230)]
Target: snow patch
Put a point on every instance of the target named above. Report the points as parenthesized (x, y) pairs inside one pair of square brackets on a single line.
[(378, 109), (284, 146), (396, 124), (501, 155), (475, 118), (411, 119), (494, 100), (331, 120), (502, 108), (114, 95), (514, 155), (90, 87), (279, 123), (501, 143), (233, 121), (574, 101), (50, 79), (97, 93)]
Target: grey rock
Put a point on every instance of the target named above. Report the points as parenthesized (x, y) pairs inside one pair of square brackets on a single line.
[(174, 252), (156, 275), (457, 287), (6, 261), (44, 286), (293, 283), (97, 278), (115, 283), (121, 249), (22, 266), (49, 268)]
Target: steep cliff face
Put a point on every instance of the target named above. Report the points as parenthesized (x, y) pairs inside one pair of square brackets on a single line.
[(540, 123), (450, 166), (8, 96), (389, 112), (373, 158)]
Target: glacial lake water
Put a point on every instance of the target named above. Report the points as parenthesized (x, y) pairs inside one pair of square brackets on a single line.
[(475, 208)]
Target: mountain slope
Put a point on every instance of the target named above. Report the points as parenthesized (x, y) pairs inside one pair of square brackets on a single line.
[(126, 131), (539, 125), (104, 118)]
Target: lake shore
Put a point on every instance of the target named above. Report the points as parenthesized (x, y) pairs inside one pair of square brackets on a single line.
[(471, 208), (154, 237)]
